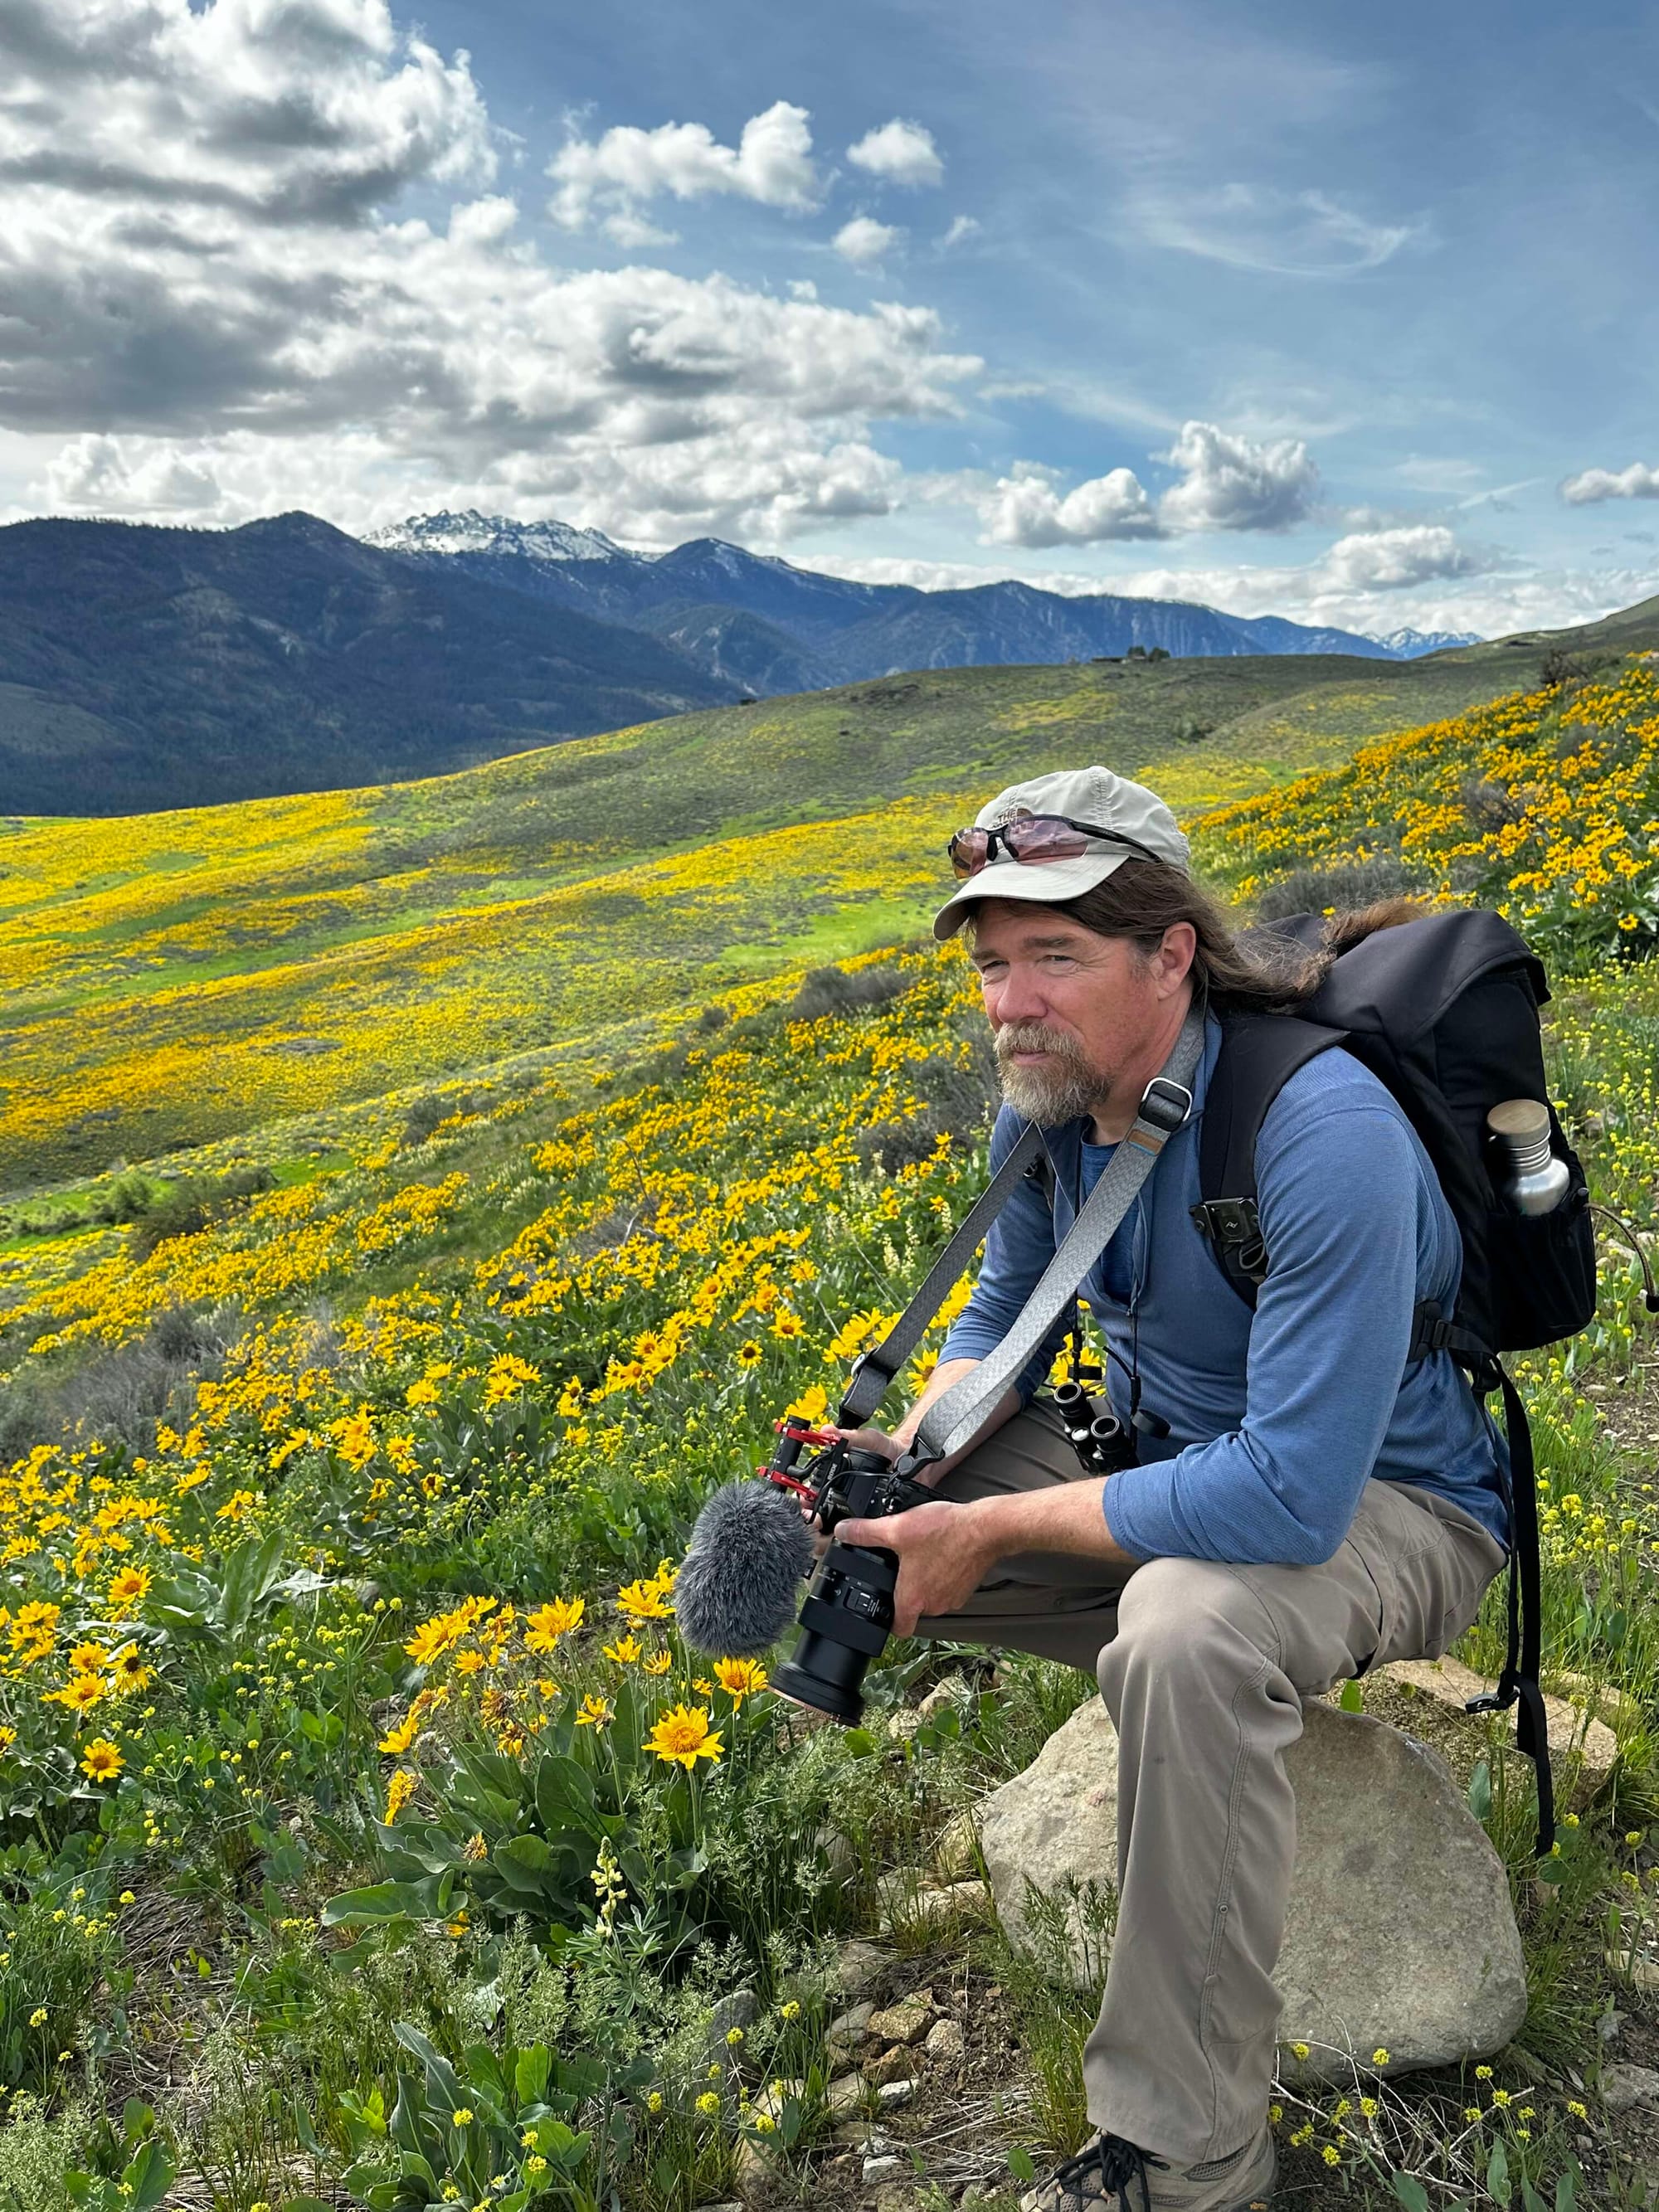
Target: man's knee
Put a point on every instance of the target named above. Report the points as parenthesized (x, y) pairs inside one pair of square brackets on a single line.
[(1188, 1619)]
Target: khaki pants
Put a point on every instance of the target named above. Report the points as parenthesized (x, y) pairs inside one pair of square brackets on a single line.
[(1203, 1668)]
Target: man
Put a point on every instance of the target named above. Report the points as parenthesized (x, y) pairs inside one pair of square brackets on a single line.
[(1306, 1503)]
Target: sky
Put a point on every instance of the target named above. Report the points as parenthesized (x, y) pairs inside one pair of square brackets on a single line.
[(1350, 316)]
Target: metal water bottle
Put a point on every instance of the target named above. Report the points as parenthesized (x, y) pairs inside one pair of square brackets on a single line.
[(1537, 1181)]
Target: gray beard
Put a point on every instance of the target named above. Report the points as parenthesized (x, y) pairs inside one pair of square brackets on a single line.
[(1064, 1089)]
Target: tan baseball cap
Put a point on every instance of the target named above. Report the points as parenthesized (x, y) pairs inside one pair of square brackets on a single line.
[(1093, 795)]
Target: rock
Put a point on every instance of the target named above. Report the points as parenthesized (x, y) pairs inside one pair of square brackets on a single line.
[(1623, 2087), (909, 1899), (730, 2204), (1377, 1954), (1599, 1697), (858, 1964), (898, 2064), (775, 2095), (904, 1723), (1583, 1748), (873, 2141), (956, 1854), (848, 2029), (892, 2094), (1642, 1973), (947, 2045), (887, 2168), (906, 2021), (896, 2197), (837, 1850), (844, 2096), (740, 2009), (751, 2169), (952, 1691)]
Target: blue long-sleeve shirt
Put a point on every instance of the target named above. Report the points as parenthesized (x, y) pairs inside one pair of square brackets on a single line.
[(1277, 1418)]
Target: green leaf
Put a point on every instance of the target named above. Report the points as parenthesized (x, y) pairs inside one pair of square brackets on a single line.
[(386, 1900), (531, 2070), (148, 2179), (1481, 1790), (245, 1576), (1531, 2200), (564, 1797), (1352, 1699), (1410, 2192), (862, 1743), (1021, 2165), (1566, 2190), (1498, 2174)]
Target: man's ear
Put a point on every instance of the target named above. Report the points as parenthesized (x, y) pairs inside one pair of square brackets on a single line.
[(1173, 960)]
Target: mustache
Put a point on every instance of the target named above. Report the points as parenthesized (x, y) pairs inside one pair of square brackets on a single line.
[(1036, 1036)]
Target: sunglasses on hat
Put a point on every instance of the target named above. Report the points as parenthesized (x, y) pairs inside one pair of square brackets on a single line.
[(1034, 838)]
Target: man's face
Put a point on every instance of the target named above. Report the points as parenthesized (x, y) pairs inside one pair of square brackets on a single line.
[(1071, 1012)]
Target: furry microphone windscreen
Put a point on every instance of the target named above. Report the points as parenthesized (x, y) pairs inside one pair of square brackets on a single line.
[(738, 1588)]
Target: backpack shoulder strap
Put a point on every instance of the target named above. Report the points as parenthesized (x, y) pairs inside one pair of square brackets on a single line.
[(1259, 1053)]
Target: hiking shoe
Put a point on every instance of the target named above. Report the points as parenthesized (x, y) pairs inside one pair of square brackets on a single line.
[(1110, 2175)]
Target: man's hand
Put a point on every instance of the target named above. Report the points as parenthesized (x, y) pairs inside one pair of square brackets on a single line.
[(943, 1551)]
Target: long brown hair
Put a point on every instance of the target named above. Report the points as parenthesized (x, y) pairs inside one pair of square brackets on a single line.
[(1269, 975)]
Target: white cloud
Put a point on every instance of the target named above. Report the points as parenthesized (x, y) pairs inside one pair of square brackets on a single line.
[(1258, 227), (1234, 484), (1638, 481), (962, 226), (864, 241), (771, 162), (317, 112), (1026, 509), (1391, 559), (1227, 482), (900, 152), (212, 311)]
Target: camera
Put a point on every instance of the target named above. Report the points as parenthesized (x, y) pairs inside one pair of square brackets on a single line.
[(847, 1615)]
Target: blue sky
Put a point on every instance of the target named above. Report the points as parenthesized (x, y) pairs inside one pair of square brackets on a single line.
[(1344, 316)]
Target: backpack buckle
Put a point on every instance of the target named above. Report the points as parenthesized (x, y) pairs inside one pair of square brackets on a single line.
[(1166, 1104)]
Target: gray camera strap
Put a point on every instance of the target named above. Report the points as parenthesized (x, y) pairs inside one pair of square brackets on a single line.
[(877, 1367), (954, 1420)]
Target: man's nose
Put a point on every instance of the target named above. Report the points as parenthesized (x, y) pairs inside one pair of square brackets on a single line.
[(1020, 997)]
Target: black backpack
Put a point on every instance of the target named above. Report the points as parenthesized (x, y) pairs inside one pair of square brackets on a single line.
[(1444, 1010)]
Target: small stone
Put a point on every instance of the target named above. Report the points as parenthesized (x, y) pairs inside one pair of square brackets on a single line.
[(947, 2045), (728, 2204), (851, 2026), (883, 2169), (844, 2095), (903, 1724), (952, 1691), (859, 1964), (906, 2021), (870, 2141), (956, 1854), (896, 2197), (893, 2093), (898, 2064), (1642, 1973), (1623, 2087), (911, 1900)]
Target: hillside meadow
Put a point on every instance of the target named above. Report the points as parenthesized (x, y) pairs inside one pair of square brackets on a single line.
[(372, 1839), (169, 979)]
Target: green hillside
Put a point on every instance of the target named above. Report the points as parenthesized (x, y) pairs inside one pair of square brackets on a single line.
[(169, 979)]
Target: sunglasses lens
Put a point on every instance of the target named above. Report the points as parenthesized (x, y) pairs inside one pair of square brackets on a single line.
[(1046, 837), (967, 850)]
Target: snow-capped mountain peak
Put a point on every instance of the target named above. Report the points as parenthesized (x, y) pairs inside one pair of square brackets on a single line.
[(1409, 644), (472, 533)]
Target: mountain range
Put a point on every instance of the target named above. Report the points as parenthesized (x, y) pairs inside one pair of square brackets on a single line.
[(146, 667), (765, 624)]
